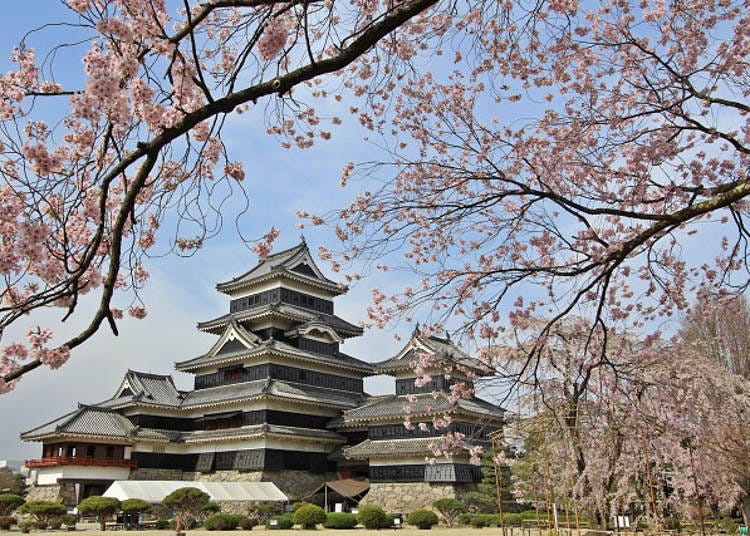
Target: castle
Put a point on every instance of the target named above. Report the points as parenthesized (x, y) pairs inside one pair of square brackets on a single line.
[(275, 399)]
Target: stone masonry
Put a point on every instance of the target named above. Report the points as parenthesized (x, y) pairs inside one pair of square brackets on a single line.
[(405, 497)]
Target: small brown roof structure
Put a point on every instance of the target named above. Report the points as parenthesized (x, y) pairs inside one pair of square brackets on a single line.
[(347, 487)]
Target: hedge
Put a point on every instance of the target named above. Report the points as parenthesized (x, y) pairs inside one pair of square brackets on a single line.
[(424, 519), (340, 520), (222, 521), (309, 516), (282, 522), (372, 517)]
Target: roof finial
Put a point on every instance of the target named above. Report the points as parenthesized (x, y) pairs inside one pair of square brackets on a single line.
[(415, 333), (302, 237), (448, 335)]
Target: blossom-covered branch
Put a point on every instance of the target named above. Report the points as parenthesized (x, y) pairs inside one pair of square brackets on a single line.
[(82, 202)]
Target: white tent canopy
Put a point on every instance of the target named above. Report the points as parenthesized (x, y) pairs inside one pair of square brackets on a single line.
[(154, 491)]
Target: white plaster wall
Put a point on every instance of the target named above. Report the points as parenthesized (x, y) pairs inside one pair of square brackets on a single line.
[(50, 475)]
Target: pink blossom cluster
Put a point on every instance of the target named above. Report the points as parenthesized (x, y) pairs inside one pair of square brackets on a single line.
[(274, 37), (263, 247)]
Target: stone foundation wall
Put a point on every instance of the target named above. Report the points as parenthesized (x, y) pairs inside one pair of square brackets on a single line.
[(229, 476), (49, 493), (294, 484), (155, 474), (234, 507), (405, 497)]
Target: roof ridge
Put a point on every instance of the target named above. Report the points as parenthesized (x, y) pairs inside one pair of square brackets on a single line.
[(302, 244), (149, 374)]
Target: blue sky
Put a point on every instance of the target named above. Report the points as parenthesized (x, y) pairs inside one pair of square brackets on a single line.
[(181, 290)]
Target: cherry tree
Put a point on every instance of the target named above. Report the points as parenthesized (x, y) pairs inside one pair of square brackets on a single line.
[(94, 174), (720, 329), (581, 423), (699, 444), (644, 427), (579, 158)]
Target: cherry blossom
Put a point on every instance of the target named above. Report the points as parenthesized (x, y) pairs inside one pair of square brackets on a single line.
[(87, 187)]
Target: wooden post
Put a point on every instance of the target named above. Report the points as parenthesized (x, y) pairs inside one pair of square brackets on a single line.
[(651, 488), (536, 502), (493, 439)]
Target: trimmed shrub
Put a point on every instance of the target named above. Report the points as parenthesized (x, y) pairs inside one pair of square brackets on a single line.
[(527, 515), (134, 507), (9, 502), (26, 526), (262, 512), (340, 520), (101, 507), (450, 509), (371, 516), (388, 523), (188, 503), (6, 522), (55, 524), (162, 524), (248, 523), (297, 505), (282, 522), (222, 521), (309, 516), (464, 519), (424, 519), (481, 520), (43, 511), (729, 525), (513, 520)]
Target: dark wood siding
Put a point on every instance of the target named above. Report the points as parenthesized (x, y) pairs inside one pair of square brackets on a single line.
[(279, 372), (162, 423), (160, 460), (282, 295), (444, 472), (396, 431), (260, 459), (397, 473), (438, 383)]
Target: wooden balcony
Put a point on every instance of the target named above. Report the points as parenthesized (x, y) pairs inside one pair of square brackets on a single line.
[(81, 460)]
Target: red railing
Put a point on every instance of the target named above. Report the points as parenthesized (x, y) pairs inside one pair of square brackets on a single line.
[(80, 460)]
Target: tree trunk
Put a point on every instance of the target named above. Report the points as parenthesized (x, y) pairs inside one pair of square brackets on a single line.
[(746, 509)]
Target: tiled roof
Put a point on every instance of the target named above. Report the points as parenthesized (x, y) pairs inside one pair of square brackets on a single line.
[(86, 420), (443, 350), (295, 312), (154, 388), (283, 262), (277, 388), (340, 359), (390, 406), (157, 434), (260, 429), (391, 447)]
